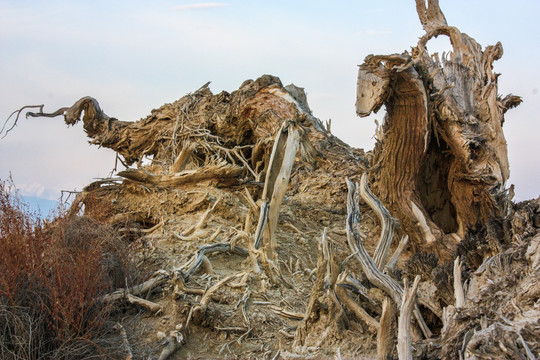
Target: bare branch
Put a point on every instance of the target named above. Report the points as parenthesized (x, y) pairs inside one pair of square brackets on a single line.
[(206, 250), (18, 114)]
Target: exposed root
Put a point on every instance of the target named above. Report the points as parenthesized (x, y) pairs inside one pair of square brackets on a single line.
[(354, 307), (194, 264), (132, 299), (458, 285), (197, 311), (286, 313)]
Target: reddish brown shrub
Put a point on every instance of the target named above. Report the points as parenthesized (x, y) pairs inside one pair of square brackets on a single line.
[(51, 279)]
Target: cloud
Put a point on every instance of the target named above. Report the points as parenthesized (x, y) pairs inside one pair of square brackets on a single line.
[(32, 189), (199, 6)]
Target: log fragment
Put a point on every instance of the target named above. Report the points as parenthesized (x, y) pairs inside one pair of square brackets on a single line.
[(219, 172), (385, 334), (405, 316), (276, 182)]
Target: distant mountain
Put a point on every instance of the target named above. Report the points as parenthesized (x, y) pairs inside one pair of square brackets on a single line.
[(43, 206)]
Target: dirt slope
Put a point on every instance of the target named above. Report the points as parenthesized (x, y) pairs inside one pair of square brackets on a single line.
[(229, 305)]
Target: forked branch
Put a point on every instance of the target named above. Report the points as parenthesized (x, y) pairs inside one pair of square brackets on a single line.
[(17, 114)]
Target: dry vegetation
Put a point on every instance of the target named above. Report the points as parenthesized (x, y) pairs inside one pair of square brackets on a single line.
[(52, 275), (255, 233)]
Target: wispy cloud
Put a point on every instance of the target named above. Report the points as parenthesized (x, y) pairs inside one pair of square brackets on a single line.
[(32, 189), (199, 6)]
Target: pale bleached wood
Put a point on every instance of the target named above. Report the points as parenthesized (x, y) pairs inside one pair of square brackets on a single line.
[(458, 285), (276, 182), (354, 239), (202, 220), (404, 347), (125, 342), (152, 306), (194, 264), (132, 299), (280, 186), (353, 306), (173, 343), (221, 171), (395, 256), (198, 310)]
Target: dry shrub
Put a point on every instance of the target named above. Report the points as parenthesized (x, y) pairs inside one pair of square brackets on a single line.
[(51, 279)]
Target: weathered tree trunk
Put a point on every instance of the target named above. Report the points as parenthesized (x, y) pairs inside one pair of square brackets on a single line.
[(440, 164)]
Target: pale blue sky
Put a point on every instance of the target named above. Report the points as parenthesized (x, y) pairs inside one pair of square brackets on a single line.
[(134, 56)]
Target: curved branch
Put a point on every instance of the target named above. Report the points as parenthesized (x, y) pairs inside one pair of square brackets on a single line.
[(18, 112), (510, 101), (388, 223), (72, 115), (207, 250), (378, 278)]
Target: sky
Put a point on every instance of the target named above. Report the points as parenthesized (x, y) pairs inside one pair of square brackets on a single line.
[(133, 56)]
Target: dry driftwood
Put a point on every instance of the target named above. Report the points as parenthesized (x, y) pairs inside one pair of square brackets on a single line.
[(219, 173), (378, 278), (323, 299), (196, 261), (354, 307), (125, 342), (198, 310), (132, 299), (459, 294)]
